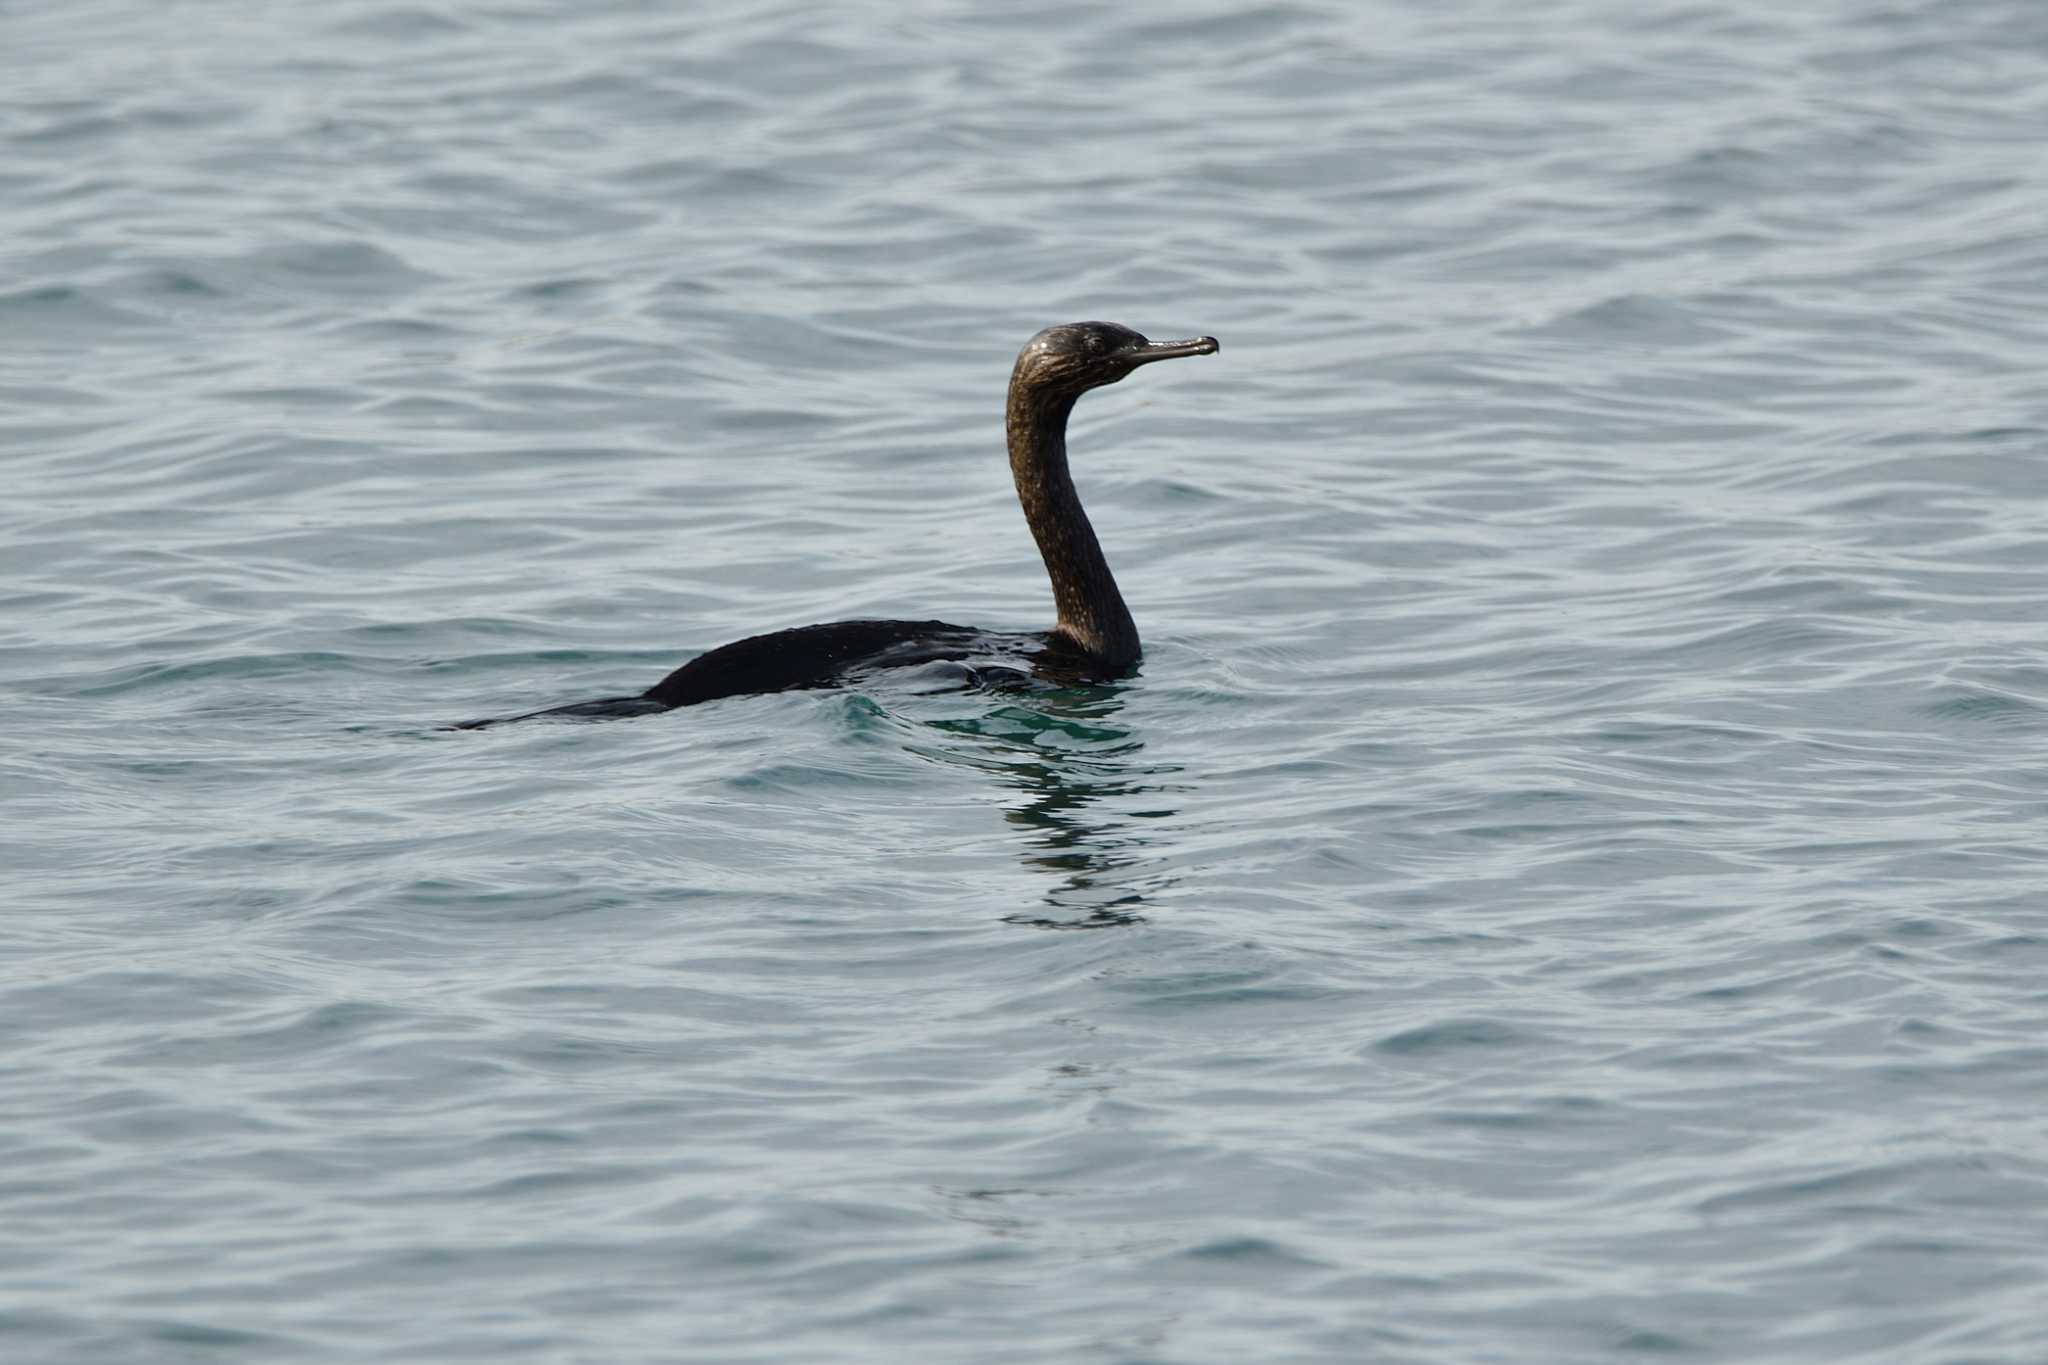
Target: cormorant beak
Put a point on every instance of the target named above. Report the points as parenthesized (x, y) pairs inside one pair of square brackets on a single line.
[(1168, 350)]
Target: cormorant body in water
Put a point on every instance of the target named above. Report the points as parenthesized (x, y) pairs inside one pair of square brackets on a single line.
[(1094, 637)]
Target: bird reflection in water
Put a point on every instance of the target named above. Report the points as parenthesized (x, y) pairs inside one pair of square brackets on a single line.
[(1076, 768)]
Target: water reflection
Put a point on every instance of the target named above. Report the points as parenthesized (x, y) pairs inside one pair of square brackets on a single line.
[(1074, 765)]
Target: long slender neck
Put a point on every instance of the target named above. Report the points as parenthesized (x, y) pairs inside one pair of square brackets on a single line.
[(1093, 616)]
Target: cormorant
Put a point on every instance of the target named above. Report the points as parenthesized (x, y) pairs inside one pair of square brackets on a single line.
[(1094, 637)]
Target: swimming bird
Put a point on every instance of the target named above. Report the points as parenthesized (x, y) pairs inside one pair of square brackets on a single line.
[(1093, 638)]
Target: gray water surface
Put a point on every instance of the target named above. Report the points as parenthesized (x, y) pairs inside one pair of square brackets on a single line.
[(1566, 885)]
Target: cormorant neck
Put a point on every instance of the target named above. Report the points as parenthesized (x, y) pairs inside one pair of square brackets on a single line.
[(1092, 614)]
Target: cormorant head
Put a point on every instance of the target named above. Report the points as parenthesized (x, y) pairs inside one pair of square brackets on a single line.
[(1076, 356)]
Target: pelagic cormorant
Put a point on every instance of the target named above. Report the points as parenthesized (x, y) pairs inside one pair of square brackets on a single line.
[(1094, 637)]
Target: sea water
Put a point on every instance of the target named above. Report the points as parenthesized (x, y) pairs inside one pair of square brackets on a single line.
[(1567, 883)]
